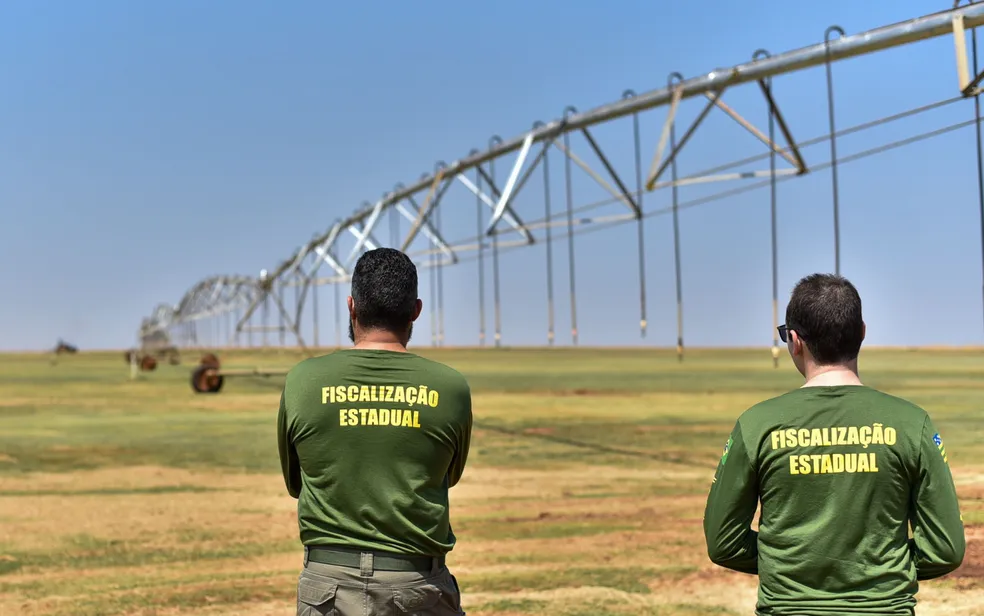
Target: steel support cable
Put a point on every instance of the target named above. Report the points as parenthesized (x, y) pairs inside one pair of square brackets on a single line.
[(885, 37), (833, 144), (338, 316), (266, 320), (570, 227), (282, 327), (314, 314), (481, 251), (678, 277), (549, 248), (641, 234), (767, 84), (440, 278), (802, 144), (495, 140), (430, 208), (846, 159), (440, 290), (394, 227), (841, 133), (758, 157), (762, 184), (432, 287), (921, 28), (980, 154), (298, 298)]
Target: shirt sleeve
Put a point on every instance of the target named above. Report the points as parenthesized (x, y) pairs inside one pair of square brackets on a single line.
[(289, 463), (730, 510), (457, 467), (938, 540)]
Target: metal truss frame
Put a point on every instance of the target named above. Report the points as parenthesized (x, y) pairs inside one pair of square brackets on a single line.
[(418, 203), (211, 297)]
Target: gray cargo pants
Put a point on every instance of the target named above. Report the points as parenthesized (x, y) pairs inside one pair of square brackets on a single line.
[(367, 585)]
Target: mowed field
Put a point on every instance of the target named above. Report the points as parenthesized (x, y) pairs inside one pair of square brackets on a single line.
[(583, 495)]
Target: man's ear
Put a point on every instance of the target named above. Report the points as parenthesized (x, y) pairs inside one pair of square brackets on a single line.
[(864, 330), (418, 307), (351, 307), (797, 343)]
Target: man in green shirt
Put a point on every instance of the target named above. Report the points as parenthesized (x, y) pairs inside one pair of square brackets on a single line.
[(371, 438), (842, 472)]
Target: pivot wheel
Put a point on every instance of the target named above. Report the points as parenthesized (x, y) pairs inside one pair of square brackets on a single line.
[(206, 380), (148, 363)]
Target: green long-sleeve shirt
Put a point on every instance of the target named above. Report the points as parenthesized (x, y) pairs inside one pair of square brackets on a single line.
[(842, 473), (370, 442)]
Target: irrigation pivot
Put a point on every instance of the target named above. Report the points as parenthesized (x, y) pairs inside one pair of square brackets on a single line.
[(501, 228)]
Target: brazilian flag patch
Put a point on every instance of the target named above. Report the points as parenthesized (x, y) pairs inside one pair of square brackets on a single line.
[(727, 448), (724, 457), (939, 445)]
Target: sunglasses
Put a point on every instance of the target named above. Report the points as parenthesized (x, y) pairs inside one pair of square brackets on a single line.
[(784, 332)]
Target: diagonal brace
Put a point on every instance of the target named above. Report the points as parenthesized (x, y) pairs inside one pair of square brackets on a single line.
[(427, 229), (290, 322), (795, 159), (430, 202), (660, 167), (625, 195), (299, 258), (264, 290), (324, 252), (367, 229), (506, 197), (330, 259), (508, 216), (517, 222), (655, 170), (364, 235), (301, 299)]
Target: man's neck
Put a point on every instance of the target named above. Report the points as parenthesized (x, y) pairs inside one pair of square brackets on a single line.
[(380, 341), (828, 376)]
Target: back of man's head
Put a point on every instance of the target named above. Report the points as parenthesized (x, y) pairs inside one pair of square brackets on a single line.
[(384, 290), (825, 311)]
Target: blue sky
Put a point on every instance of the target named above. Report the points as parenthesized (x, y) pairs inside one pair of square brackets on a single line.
[(144, 146)]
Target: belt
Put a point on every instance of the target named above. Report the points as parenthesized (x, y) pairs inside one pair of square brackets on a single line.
[(373, 561)]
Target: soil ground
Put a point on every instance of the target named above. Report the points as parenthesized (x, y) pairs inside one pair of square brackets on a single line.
[(583, 495)]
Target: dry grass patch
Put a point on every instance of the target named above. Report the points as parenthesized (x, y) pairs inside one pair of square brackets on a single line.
[(584, 492)]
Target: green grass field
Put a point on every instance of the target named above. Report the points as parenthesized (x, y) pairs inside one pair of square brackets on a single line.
[(583, 495)]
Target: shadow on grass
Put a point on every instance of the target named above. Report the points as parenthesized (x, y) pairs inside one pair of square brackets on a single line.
[(596, 447)]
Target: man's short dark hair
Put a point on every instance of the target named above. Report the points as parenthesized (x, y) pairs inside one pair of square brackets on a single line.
[(384, 290), (825, 310)]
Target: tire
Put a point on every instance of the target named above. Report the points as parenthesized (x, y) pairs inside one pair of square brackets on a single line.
[(203, 383)]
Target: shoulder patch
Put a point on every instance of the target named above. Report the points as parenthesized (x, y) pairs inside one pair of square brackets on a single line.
[(938, 441), (727, 448)]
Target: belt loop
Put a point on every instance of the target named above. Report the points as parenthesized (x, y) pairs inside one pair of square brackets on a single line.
[(305, 556), (366, 564)]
